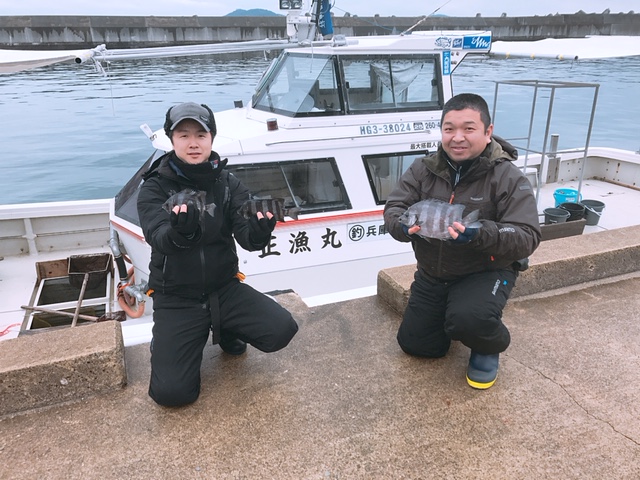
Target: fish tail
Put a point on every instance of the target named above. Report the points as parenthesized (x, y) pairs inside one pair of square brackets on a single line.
[(294, 212)]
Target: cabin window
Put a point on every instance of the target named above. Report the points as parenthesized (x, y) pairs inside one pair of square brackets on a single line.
[(312, 185), (384, 171), (299, 85), (381, 83)]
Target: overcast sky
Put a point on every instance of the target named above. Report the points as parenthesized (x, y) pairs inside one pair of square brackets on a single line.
[(458, 8)]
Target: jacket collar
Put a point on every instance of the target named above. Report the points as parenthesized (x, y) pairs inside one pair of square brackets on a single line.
[(498, 151), (164, 167)]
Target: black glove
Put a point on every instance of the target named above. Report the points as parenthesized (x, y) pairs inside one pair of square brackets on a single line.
[(186, 223), (468, 235), (405, 229), (260, 229)]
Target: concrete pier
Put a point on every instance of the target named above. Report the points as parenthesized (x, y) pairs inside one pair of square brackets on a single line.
[(342, 401)]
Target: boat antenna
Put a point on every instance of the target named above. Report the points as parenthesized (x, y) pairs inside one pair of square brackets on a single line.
[(317, 4), (408, 30)]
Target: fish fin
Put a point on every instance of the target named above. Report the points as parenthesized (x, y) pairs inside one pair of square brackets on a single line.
[(476, 224), (471, 218), (210, 209)]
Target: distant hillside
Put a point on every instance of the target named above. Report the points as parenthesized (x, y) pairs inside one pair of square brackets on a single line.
[(254, 12)]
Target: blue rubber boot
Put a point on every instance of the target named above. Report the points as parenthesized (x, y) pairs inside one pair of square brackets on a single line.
[(482, 370)]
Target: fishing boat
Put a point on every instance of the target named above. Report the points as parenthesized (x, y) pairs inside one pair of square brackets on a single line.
[(332, 125)]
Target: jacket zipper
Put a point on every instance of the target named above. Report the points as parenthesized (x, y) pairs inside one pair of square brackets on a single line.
[(203, 269), (456, 180), (164, 272)]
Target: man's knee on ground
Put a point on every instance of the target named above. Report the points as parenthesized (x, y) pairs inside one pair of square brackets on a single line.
[(483, 336), (412, 346), (278, 339), (469, 323), (174, 395)]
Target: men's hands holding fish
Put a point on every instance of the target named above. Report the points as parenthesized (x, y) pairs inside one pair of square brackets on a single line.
[(261, 225), (411, 230), (186, 211), (185, 219), (461, 234), (432, 218)]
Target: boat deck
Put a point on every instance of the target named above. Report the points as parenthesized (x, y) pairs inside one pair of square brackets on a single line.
[(619, 210)]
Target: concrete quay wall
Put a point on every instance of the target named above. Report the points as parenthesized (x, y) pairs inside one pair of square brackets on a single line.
[(556, 264), (65, 32)]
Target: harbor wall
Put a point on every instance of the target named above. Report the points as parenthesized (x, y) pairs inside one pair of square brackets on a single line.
[(64, 32)]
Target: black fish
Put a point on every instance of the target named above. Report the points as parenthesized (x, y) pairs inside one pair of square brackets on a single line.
[(273, 205), (434, 216), (190, 197)]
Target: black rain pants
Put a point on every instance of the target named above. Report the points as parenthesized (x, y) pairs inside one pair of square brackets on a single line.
[(468, 309), (181, 329)]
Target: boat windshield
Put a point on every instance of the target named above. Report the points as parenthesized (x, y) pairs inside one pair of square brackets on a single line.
[(299, 85), (316, 85), (392, 83)]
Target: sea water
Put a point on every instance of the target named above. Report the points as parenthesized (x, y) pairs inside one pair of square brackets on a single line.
[(70, 133)]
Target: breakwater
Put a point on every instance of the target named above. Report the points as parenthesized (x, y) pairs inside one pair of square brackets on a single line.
[(63, 32)]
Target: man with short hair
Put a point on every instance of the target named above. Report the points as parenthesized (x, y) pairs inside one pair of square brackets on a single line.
[(189, 212), (463, 283)]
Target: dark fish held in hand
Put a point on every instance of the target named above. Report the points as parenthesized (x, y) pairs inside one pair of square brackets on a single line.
[(273, 205), (434, 216), (190, 197)]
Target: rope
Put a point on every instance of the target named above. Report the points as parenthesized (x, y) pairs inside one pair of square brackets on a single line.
[(6, 330)]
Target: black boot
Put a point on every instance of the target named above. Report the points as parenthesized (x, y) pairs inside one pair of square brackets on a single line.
[(233, 346)]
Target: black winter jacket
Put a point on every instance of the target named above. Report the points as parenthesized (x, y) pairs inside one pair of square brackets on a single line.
[(493, 184), (193, 268)]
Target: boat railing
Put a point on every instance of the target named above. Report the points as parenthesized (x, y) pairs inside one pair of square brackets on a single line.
[(616, 166), (56, 226), (542, 91)]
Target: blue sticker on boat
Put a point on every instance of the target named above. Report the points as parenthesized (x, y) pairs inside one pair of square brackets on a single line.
[(478, 42), (446, 62)]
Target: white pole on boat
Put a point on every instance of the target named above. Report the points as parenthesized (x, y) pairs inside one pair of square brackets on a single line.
[(553, 167), (30, 236), (586, 145), (544, 163)]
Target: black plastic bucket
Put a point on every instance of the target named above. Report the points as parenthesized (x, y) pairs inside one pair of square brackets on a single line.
[(555, 215), (592, 211), (576, 210)]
